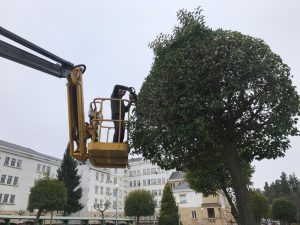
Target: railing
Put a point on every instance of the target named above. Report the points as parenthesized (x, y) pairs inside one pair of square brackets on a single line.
[(101, 123), (65, 219)]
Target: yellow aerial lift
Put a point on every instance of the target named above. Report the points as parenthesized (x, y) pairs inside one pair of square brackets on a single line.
[(99, 150)]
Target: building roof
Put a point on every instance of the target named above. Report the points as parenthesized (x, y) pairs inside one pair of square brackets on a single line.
[(25, 150), (177, 176), (182, 186)]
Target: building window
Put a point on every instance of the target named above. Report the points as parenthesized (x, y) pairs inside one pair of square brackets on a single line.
[(153, 170), (115, 180), (153, 181), (159, 192), (107, 192), (6, 162), (159, 180), (116, 170), (5, 199), (211, 212), (102, 177), (108, 179), (130, 183), (96, 189), (144, 171), (9, 179), (101, 190), (114, 204), (48, 169), (13, 162), (194, 214), (163, 180), (3, 178), (15, 180), (38, 168), (19, 163), (97, 175), (43, 168), (182, 198), (1, 198), (12, 199), (138, 183)]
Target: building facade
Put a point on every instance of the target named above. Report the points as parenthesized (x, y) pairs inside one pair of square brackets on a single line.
[(20, 167), (194, 208)]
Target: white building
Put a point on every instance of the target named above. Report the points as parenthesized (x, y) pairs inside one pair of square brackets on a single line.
[(144, 175), (101, 184), (19, 168)]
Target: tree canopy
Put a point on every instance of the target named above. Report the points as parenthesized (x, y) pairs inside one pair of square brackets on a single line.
[(168, 214), (68, 174), (283, 209), (260, 206), (139, 203), (215, 94), (47, 195), (286, 187)]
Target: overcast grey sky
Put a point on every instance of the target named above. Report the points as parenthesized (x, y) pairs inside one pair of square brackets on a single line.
[(111, 38)]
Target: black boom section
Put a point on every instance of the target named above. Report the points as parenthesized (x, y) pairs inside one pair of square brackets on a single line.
[(60, 69)]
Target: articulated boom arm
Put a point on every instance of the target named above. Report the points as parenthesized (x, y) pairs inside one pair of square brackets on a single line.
[(59, 68)]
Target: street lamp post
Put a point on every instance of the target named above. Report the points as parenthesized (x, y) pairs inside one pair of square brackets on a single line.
[(116, 188)]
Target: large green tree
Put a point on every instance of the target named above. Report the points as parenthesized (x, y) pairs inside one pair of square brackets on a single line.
[(47, 195), (215, 91), (168, 214), (284, 210), (260, 206), (68, 174), (139, 203)]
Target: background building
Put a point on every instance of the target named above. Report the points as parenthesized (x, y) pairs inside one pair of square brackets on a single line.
[(20, 167)]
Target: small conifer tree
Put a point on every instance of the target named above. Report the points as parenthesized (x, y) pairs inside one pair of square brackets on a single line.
[(168, 210), (68, 174)]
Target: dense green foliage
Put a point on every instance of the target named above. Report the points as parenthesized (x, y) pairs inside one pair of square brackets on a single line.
[(47, 195), (168, 214), (216, 95), (286, 187), (67, 173), (139, 203), (260, 206), (283, 209)]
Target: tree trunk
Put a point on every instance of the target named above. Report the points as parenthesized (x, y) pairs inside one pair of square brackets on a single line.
[(102, 213), (234, 212), (38, 215), (239, 185)]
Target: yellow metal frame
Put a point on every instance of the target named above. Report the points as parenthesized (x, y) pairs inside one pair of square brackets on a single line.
[(106, 154), (101, 154), (77, 127)]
